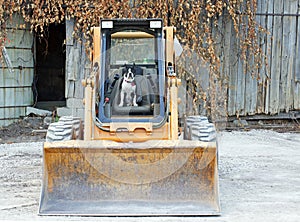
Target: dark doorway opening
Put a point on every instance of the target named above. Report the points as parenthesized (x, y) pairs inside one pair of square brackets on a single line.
[(50, 67)]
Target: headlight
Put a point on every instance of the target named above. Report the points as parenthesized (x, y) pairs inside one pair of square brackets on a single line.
[(155, 24), (107, 24)]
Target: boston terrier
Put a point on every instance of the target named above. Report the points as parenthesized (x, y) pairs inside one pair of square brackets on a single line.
[(128, 89)]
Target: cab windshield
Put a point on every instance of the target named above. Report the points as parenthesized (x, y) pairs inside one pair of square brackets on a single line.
[(132, 47)]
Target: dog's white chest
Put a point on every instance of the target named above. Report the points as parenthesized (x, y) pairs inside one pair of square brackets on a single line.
[(128, 94), (128, 87)]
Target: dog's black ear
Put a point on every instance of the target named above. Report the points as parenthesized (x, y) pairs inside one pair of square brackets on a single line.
[(133, 67), (124, 70)]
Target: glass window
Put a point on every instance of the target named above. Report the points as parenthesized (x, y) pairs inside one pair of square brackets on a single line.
[(128, 47)]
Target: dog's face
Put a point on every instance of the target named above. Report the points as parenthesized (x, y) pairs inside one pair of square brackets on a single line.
[(129, 75)]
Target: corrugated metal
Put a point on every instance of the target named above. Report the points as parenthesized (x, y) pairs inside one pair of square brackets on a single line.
[(15, 81)]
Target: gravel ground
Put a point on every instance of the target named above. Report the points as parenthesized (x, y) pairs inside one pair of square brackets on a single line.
[(259, 180)]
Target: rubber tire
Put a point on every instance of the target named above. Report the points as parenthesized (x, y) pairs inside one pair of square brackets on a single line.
[(67, 128), (200, 129)]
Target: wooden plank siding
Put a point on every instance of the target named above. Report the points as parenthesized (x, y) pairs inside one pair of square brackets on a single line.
[(273, 89), (15, 81), (297, 64), (277, 87), (78, 67), (262, 75), (276, 58)]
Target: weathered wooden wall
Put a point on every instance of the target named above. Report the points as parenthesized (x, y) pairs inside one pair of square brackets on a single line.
[(15, 81), (276, 88), (77, 68)]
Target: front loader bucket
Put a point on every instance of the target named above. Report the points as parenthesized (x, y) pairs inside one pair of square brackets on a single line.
[(105, 178)]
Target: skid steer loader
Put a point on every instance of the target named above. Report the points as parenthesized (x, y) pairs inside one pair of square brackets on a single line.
[(131, 160)]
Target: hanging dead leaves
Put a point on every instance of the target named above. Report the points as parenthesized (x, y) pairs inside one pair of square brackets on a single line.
[(194, 20)]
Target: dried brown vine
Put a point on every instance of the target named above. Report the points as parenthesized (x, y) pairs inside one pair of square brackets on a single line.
[(193, 19)]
